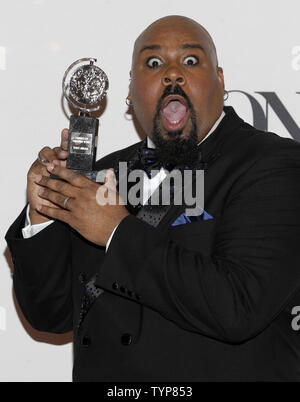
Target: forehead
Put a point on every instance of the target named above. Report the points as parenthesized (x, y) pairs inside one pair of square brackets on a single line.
[(173, 34)]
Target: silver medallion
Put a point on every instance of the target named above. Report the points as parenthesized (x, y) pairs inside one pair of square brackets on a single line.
[(86, 84)]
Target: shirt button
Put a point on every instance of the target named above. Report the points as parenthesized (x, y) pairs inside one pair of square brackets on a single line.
[(115, 286), (130, 293), (86, 342), (126, 339), (81, 277)]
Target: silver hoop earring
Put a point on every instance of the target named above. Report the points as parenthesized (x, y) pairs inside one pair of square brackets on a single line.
[(128, 101), (126, 116), (226, 95)]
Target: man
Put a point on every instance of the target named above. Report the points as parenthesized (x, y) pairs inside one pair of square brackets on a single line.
[(149, 297)]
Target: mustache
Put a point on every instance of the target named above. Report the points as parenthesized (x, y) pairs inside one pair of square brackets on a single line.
[(173, 90)]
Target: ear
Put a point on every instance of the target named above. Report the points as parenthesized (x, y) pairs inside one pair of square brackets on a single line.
[(221, 76), (129, 92)]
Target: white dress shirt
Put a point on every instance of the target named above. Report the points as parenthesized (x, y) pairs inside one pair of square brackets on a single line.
[(149, 186)]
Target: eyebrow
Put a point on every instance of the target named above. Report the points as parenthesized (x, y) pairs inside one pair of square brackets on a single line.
[(193, 46), (151, 47), (185, 46)]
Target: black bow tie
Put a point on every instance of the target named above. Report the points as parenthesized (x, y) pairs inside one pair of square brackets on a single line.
[(149, 161), (151, 164)]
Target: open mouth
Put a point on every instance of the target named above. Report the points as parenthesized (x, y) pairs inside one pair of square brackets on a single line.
[(175, 112)]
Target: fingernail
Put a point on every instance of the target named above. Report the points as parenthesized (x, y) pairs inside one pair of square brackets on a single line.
[(38, 178), (50, 167), (38, 207), (41, 191)]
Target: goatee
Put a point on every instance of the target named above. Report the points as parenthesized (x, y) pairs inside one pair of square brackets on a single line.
[(176, 151)]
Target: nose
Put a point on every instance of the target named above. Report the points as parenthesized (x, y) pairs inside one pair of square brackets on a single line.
[(173, 76)]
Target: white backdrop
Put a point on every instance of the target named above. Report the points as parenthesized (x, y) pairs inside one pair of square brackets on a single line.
[(258, 44)]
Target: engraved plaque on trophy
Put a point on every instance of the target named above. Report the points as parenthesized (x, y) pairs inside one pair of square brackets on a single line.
[(84, 86)]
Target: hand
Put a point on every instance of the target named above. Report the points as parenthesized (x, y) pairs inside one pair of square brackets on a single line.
[(93, 210), (39, 167)]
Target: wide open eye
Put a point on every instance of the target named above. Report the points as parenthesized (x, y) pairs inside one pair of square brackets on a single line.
[(154, 62), (191, 60)]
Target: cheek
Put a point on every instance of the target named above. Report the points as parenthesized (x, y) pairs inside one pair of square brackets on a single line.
[(144, 91), (204, 92), (145, 95), (201, 88)]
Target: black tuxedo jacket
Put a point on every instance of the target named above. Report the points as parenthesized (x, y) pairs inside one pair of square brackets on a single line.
[(214, 300)]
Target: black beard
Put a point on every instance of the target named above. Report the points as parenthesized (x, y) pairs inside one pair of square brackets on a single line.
[(176, 151)]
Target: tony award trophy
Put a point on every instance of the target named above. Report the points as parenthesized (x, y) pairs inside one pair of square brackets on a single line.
[(84, 86)]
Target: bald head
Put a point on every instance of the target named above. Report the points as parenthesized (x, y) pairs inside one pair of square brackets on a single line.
[(165, 25), (176, 53)]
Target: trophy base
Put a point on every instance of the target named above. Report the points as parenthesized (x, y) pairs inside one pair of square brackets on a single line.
[(92, 174), (82, 143)]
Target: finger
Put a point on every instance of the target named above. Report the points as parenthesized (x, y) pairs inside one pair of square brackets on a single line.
[(59, 186), (59, 162), (56, 198), (43, 155), (37, 168), (64, 139), (48, 155), (54, 213), (60, 153), (75, 179), (47, 203)]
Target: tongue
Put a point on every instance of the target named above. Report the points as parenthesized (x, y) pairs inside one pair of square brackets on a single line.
[(174, 111)]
